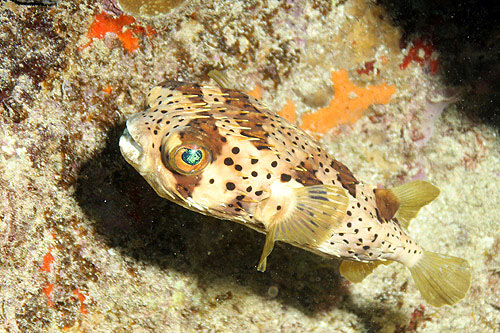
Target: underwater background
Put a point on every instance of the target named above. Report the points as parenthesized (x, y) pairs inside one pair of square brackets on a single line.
[(395, 90)]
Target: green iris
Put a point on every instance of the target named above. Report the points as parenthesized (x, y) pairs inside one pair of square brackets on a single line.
[(192, 156)]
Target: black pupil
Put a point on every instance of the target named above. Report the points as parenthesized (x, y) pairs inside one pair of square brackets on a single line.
[(192, 156)]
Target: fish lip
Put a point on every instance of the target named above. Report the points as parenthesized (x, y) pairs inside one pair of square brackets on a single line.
[(130, 149)]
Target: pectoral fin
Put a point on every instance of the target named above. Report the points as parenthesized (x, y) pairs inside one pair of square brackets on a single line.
[(404, 202), (268, 248), (356, 271), (310, 216)]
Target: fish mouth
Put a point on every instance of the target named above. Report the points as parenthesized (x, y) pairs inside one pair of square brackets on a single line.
[(130, 149)]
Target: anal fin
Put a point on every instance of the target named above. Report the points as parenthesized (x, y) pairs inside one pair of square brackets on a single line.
[(308, 217), (356, 271)]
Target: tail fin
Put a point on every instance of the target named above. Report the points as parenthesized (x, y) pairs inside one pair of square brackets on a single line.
[(442, 280)]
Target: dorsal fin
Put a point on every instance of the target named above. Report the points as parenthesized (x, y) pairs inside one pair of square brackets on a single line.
[(404, 202), (219, 77), (312, 214)]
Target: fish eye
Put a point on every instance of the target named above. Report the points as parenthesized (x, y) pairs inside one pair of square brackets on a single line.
[(189, 159), (192, 156)]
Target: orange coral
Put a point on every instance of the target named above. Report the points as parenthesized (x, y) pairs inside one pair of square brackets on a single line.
[(47, 289), (81, 298), (256, 92), (288, 111), (48, 259), (107, 90), (124, 28), (348, 104)]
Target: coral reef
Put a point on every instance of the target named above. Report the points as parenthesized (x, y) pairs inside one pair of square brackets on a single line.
[(149, 7)]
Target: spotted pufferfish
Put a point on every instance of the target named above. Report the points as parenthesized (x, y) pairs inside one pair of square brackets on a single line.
[(222, 153)]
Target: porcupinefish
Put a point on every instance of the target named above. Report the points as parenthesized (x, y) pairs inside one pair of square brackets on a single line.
[(222, 153)]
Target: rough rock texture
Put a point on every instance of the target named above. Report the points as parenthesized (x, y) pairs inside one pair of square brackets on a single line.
[(86, 245)]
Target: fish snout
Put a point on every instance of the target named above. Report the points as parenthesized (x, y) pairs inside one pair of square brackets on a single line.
[(131, 150)]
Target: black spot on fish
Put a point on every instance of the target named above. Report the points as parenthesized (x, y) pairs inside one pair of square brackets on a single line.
[(379, 218), (285, 177)]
